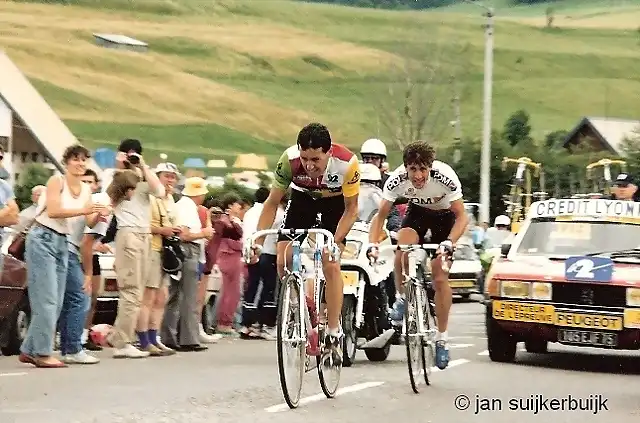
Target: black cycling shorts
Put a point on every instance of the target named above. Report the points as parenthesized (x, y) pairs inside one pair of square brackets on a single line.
[(421, 220), (301, 212), (96, 265)]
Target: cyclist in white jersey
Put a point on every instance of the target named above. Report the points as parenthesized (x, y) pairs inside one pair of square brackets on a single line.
[(435, 203)]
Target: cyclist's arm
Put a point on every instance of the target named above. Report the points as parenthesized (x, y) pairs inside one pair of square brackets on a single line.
[(282, 179), (350, 191), (375, 228), (462, 220)]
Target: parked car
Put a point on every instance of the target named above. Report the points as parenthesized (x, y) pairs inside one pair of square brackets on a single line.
[(466, 270)]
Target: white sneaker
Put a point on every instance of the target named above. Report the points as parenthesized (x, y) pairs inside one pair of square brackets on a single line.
[(129, 351), (269, 333), (205, 338), (79, 358)]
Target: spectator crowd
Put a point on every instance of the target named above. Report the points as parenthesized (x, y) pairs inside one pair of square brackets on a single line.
[(166, 244)]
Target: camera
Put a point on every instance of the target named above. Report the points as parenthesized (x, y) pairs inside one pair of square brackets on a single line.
[(133, 158)]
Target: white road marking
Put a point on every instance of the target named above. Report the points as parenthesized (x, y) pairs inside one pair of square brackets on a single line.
[(13, 374), (485, 352), (320, 396), (453, 363), (454, 346)]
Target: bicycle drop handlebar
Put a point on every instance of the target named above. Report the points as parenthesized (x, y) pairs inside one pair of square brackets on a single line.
[(293, 233), (408, 248)]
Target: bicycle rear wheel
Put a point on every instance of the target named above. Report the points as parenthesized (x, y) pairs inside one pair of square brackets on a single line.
[(413, 339), (291, 349), (428, 338), (328, 371)]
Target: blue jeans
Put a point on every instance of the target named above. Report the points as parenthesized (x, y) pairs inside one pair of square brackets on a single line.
[(46, 255), (74, 308)]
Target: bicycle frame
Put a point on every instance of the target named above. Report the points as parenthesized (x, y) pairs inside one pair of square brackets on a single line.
[(296, 268)]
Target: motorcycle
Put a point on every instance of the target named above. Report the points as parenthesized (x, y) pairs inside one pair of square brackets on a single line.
[(365, 315)]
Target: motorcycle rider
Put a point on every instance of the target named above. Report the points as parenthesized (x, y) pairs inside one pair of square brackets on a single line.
[(370, 192)]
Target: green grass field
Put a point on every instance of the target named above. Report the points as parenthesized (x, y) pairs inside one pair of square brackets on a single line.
[(229, 76)]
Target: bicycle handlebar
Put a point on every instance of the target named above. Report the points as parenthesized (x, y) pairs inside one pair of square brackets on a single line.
[(250, 242), (433, 248)]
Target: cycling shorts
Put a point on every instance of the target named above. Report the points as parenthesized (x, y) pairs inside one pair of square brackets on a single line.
[(302, 210), (421, 220)]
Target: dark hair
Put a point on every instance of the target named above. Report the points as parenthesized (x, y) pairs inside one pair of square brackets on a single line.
[(129, 144), (418, 153), (91, 172), (229, 199), (75, 150), (261, 195), (313, 136), (123, 181)]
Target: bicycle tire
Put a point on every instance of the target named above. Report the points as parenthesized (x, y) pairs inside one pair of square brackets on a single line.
[(329, 391), (428, 341), (411, 337), (290, 285)]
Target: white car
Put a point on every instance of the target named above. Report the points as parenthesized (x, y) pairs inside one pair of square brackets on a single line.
[(466, 270)]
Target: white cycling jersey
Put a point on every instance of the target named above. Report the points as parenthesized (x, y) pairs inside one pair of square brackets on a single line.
[(439, 191)]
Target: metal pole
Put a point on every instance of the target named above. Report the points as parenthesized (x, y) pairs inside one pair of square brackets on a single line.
[(485, 159)]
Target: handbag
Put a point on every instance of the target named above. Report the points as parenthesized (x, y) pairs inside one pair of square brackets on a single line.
[(18, 245), (171, 254)]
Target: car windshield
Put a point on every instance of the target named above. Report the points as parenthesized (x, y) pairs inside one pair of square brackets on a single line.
[(550, 237), (465, 252)]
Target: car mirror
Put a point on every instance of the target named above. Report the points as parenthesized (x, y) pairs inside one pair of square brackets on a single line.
[(504, 249)]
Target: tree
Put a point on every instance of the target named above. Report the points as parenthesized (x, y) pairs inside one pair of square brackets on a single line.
[(32, 175), (517, 128), (417, 102), (556, 138)]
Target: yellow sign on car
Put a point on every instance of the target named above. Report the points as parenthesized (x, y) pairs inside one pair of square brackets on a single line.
[(632, 318), (350, 278), (588, 321), (522, 312), (461, 284)]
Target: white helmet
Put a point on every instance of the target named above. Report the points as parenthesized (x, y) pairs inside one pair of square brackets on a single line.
[(370, 172), (502, 220), (373, 146)]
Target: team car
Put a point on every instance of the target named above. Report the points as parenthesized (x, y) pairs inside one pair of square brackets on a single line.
[(571, 276)]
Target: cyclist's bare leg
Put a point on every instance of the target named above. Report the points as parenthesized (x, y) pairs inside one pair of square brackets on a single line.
[(334, 290), (444, 294), (405, 236), (281, 247)]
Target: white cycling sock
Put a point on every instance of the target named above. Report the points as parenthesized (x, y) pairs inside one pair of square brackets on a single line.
[(442, 336), (399, 296), (334, 332)]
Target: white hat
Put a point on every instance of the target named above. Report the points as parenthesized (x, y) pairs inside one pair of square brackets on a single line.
[(167, 167), (502, 220), (369, 172)]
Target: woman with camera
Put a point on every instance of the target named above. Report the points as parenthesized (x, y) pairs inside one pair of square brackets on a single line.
[(133, 239)]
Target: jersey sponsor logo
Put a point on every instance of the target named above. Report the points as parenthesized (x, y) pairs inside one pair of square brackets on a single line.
[(394, 182), (444, 180), (279, 171), (332, 179), (356, 178), (423, 201), (302, 178)]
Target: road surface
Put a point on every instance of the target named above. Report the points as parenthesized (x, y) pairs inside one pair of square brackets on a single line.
[(237, 381)]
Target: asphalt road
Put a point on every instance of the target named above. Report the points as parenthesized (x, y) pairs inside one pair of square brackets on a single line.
[(237, 381)]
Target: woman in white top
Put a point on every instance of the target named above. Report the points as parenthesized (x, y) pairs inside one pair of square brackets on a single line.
[(47, 254)]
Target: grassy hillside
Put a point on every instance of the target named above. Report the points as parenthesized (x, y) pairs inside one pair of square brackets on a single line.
[(231, 76)]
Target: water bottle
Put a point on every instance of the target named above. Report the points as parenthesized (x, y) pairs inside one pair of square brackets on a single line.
[(296, 265)]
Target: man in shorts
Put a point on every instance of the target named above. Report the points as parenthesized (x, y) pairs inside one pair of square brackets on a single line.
[(324, 178), (435, 203)]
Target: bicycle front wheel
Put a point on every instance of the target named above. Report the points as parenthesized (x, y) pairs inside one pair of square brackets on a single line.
[(416, 362), (291, 349)]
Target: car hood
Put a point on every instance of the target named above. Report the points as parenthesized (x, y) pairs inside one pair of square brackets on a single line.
[(541, 268)]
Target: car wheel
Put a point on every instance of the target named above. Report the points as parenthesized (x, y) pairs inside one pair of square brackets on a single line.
[(17, 327), (501, 344)]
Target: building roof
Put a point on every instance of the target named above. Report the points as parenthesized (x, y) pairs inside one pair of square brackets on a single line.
[(612, 132), (45, 126)]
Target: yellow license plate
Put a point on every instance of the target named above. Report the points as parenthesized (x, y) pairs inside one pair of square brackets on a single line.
[(523, 312), (632, 318), (350, 278), (588, 321), (461, 284)]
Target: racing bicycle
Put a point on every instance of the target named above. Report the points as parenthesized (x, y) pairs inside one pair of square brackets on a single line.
[(300, 324), (420, 313)]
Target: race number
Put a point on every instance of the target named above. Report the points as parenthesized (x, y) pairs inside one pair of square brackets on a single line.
[(588, 269)]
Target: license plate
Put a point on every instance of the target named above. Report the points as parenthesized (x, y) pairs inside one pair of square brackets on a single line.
[(588, 321), (584, 337), (350, 278), (461, 284), (523, 312)]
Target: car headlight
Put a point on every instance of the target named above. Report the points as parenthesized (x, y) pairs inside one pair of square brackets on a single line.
[(514, 289), (541, 291), (351, 250), (633, 297)]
